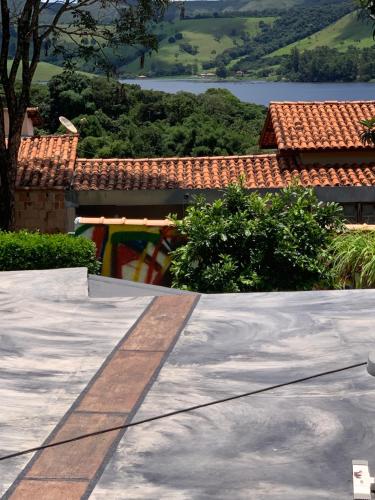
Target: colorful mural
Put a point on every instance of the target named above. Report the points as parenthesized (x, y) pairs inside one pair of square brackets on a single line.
[(136, 252)]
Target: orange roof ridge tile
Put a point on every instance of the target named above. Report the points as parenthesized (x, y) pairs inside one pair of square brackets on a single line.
[(178, 159), (323, 102), (52, 136)]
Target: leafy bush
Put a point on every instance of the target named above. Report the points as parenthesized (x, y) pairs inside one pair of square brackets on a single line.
[(246, 242), (189, 49), (353, 259), (24, 250), (131, 122)]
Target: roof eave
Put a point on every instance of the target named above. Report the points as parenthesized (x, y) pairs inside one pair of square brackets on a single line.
[(267, 128)]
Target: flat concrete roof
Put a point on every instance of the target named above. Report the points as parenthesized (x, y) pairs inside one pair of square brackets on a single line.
[(91, 363)]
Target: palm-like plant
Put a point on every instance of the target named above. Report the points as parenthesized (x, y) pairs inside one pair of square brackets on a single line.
[(368, 134), (353, 259)]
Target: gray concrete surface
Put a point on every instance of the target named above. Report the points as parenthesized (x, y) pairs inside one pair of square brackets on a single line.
[(58, 283), (294, 443), (53, 339), (101, 286)]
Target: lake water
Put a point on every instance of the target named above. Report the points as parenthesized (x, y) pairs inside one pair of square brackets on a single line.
[(264, 92)]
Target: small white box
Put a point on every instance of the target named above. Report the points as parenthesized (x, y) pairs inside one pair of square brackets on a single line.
[(361, 480)]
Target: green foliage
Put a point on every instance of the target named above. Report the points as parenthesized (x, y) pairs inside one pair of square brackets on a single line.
[(368, 9), (246, 242), (24, 250), (291, 26), (368, 134), (353, 259), (187, 47), (221, 71), (116, 120), (324, 64)]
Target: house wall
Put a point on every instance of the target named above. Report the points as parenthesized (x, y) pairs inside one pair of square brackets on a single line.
[(43, 210), (358, 202), (27, 127)]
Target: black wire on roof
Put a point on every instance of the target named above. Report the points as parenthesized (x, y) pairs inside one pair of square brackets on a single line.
[(183, 410)]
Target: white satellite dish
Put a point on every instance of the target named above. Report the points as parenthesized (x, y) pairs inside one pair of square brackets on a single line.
[(68, 124)]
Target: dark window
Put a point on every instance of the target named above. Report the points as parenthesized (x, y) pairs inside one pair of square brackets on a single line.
[(368, 213), (350, 212)]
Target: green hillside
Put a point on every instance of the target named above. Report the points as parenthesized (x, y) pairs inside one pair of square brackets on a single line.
[(225, 41), (44, 72), (347, 31), (259, 5), (208, 38)]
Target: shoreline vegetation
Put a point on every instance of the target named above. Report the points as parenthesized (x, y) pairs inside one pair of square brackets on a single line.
[(184, 78)]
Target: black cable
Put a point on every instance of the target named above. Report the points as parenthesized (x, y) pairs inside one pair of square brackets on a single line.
[(178, 412)]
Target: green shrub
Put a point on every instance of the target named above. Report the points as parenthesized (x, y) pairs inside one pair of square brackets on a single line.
[(353, 259), (246, 242), (24, 250)]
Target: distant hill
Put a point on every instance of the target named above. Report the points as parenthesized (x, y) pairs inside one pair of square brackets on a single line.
[(201, 41), (233, 41), (45, 71), (347, 31), (235, 37), (197, 7)]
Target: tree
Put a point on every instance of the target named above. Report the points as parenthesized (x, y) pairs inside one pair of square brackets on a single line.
[(246, 242), (31, 27), (295, 59), (368, 134), (368, 10), (221, 71)]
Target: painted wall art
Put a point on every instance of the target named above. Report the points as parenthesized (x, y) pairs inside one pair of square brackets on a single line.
[(133, 252)]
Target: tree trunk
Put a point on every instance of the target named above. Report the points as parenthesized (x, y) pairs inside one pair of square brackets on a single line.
[(8, 172)]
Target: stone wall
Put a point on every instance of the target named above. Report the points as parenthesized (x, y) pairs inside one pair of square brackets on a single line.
[(43, 210)]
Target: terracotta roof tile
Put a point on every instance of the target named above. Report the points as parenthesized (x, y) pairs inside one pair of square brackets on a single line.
[(50, 162), (259, 171), (316, 125), (47, 161)]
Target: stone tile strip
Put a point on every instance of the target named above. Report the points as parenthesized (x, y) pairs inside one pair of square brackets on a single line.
[(71, 471)]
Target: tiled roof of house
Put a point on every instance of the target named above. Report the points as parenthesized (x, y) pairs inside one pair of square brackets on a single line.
[(50, 162), (259, 171), (176, 173), (316, 125), (47, 161), (333, 175)]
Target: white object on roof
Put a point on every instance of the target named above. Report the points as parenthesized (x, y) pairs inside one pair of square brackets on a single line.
[(68, 124), (362, 480), (371, 363)]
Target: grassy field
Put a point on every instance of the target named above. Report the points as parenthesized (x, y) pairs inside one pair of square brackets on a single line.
[(210, 36), (348, 30), (258, 5), (45, 71)]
